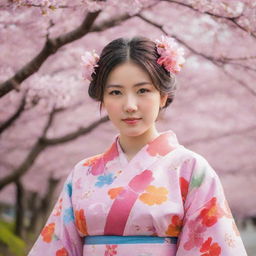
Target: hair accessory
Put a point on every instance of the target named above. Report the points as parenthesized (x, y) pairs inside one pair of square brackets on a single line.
[(171, 55), (90, 60)]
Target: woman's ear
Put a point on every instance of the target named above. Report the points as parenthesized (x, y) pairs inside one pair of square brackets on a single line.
[(163, 99)]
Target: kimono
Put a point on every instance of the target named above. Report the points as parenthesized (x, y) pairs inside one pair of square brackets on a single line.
[(166, 201)]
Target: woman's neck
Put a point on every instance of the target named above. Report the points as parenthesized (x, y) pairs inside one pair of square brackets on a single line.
[(132, 144)]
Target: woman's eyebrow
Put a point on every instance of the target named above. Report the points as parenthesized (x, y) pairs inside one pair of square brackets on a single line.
[(120, 86)]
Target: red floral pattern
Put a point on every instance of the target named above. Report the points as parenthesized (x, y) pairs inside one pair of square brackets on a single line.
[(175, 227), (211, 213), (62, 252), (98, 162), (110, 250), (184, 188), (210, 249), (48, 232), (160, 146), (92, 160), (195, 235), (81, 221)]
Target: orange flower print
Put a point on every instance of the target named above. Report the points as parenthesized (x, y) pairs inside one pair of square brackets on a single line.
[(48, 232), (110, 250), (160, 146), (184, 188), (62, 252), (154, 195), (210, 249), (114, 192), (175, 227), (81, 221), (211, 213)]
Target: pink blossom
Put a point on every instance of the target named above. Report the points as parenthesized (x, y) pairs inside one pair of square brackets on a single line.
[(195, 237), (171, 55), (89, 63), (110, 250)]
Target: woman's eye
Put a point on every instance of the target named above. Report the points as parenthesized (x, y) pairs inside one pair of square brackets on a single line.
[(114, 92), (143, 90)]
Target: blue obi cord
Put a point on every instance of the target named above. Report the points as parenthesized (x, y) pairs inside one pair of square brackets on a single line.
[(129, 240)]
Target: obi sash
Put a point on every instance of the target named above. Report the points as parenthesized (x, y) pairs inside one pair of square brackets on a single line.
[(129, 240)]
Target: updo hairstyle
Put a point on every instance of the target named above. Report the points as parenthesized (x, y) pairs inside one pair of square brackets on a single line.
[(139, 50)]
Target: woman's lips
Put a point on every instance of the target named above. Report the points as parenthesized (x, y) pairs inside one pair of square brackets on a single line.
[(131, 120)]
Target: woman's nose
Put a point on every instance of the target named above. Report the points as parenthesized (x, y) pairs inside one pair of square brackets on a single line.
[(130, 104)]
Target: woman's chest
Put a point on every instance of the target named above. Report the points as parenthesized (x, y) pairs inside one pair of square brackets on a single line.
[(140, 203)]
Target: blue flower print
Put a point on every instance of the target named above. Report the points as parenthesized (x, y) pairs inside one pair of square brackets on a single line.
[(105, 179), (68, 215), (68, 188)]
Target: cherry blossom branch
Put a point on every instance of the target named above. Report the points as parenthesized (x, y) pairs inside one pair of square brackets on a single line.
[(220, 136), (231, 19), (219, 62), (110, 23), (241, 58), (51, 7), (74, 135), (15, 116), (241, 82), (42, 143), (50, 47), (192, 7)]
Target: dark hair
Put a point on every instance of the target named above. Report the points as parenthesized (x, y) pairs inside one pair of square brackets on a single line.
[(139, 50)]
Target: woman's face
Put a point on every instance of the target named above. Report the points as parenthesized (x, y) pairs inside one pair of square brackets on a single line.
[(131, 100)]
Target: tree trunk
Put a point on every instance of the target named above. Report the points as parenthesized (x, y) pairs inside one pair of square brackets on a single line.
[(19, 209)]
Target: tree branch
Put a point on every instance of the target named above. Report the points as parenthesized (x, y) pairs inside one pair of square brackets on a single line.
[(241, 82), (51, 46), (216, 61), (231, 19), (217, 137), (41, 144), (110, 23), (15, 116), (76, 134)]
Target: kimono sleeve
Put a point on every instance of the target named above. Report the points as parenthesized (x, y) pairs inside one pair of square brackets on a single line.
[(59, 236), (208, 226)]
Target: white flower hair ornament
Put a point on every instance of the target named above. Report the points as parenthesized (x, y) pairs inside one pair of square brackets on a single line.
[(171, 56), (89, 62)]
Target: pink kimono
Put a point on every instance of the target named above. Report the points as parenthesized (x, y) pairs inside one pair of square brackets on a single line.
[(166, 201)]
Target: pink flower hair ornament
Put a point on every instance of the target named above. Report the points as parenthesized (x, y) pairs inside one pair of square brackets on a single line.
[(171, 56), (89, 63)]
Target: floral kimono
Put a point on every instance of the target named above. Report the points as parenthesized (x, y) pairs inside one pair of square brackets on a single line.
[(166, 201)]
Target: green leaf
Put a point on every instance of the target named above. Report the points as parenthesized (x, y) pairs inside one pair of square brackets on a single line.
[(197, 180)]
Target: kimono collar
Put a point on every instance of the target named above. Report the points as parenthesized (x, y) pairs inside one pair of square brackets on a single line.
[(157, 148)]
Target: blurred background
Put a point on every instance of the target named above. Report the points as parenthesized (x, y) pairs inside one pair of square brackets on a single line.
[(48, 123)]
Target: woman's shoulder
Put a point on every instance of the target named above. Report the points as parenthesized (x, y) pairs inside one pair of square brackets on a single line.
[(83, 166), (198, 163), (88, 161)]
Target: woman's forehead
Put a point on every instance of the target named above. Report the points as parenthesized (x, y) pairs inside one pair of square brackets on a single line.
[(128, 72)]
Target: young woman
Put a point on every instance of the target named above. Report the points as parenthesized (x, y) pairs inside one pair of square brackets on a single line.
[(147, 194)]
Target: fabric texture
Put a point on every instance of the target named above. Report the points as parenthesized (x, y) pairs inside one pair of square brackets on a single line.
[(165, 190)]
